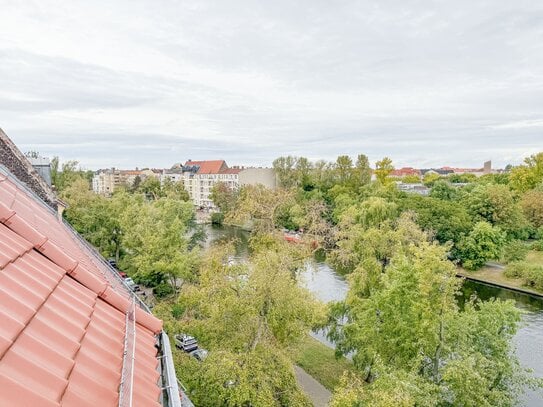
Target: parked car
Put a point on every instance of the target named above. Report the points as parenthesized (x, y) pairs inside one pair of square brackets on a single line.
[(131, 284), (112, 263), (123, 274), (199, 354), (186, 342)]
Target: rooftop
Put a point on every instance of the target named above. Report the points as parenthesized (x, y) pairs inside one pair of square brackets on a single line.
[(208, 167), (71, 333)]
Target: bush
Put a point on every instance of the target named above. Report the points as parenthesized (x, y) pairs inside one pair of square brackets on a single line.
[(539, 233), (485, 242), (217, 218), (515, 250), (516, 269), (538, 245), (531, 274), (162, 290), (177, 311)]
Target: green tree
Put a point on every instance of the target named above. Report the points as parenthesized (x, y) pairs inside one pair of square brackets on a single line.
[(383, 168), (412, 345), (528, 175), (444, 190), (223, 197), (430, 178), (284, 167), (344, 169), (485, 242), (496, 204), (174, 190), (532, 207), (448, 221), (155, 238), (258, 311), (362, 170), (151, 187), (411, 179), (258, 206), (62, 176)]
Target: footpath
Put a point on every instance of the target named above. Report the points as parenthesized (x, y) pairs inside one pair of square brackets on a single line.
[(493, 274), (319, 395)]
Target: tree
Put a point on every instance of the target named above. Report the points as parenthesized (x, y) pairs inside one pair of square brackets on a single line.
[(485, 242), (362, 170), (156, 242), (223, 197), (63, 176), (529, 175), (532, 207), (383, 168), (413, 346), (447, 221), (258, 311), (430, 178), (445, 191), (284, 167), (304, 173), (496, 204), (258, 205), (344, 169), (411, 179), (151, 187)]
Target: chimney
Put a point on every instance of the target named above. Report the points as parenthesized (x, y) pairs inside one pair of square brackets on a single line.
[(487, 167)]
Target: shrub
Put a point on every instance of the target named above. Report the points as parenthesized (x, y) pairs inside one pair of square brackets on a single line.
[(515, 250), (177, 311), (485, 242), (531, 274), (162, 290), (217, 218), (538, 245), (516, 269), (539, 233)]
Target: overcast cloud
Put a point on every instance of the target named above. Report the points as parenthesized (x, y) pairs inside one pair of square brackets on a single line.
[(151, 83)]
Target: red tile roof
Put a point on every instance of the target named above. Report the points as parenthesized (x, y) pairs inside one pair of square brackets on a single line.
[(402, 172), (208, 167), (63, 316)]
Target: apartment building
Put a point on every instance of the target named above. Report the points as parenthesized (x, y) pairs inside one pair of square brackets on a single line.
[(104, 182), (199, 177)]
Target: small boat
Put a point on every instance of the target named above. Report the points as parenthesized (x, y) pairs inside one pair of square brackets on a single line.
[(293, 237)]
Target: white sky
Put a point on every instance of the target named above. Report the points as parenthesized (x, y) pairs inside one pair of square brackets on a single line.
[(151, 83)]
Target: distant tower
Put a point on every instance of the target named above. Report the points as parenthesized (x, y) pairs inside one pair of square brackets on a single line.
[(487, 167)]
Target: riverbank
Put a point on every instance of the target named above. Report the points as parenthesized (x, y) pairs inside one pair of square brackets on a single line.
[(319, 361), (495, 276)]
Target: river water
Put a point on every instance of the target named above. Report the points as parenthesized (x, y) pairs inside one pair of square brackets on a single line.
[(327, 285)]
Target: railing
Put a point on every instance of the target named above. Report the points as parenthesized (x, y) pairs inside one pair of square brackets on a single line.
[(172, 395), (127, 375), (112, 276)]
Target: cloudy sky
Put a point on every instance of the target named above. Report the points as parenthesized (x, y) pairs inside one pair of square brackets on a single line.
[(150, 83)]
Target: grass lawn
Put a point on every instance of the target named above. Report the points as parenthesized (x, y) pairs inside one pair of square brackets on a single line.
[(320, 362), (496, 276)]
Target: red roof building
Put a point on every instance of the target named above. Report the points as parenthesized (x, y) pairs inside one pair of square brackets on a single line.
[(208, 167), (402, 172), (71, 332)]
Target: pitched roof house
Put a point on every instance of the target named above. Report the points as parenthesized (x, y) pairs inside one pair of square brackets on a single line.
[(71, 332), (207, 167)]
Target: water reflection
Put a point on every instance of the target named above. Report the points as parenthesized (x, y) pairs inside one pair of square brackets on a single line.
[(327, 285)]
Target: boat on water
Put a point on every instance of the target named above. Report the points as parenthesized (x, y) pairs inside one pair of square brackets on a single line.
[(294, 237)]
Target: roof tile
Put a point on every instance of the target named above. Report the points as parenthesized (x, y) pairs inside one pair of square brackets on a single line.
[(63, 324)]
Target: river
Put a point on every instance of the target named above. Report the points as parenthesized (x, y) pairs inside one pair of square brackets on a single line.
[(327, 285)]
